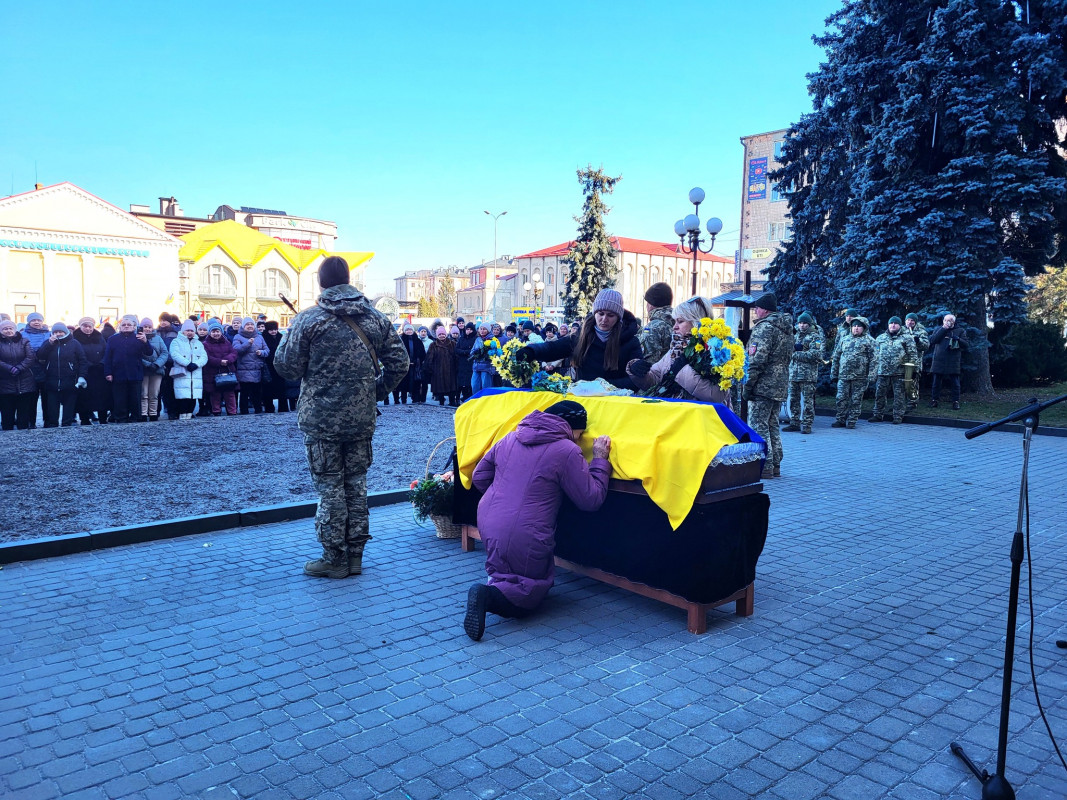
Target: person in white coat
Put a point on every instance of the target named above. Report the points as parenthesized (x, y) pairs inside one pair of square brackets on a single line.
[(189, 357)]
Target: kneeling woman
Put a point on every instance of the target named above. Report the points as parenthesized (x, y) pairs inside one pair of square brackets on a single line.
[(672, 372), (524, 477), (606, 343)]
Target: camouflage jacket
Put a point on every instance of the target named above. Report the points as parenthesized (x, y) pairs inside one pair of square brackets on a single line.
[(894, 352), (921, 337), (656, 336), (770, 349), (337, 391), (844, 330), (855, 359), (804, 366)]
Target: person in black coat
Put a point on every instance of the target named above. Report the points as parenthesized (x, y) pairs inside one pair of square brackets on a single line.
[(94, 402), (273, 383), (124, 369), (18, 387), (606, 343), (947, 345), (413, 382), (464, 367), (65, 369)]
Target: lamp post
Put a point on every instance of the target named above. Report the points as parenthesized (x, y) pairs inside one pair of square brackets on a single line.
[(689, 228), (538, 287), (495, 218)]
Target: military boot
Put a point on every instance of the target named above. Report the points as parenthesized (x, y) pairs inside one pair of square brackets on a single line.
[(792, 427), (806, 429), (355, 563), (320, 568)]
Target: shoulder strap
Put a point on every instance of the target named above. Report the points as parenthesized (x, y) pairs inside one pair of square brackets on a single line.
[(366, 342)]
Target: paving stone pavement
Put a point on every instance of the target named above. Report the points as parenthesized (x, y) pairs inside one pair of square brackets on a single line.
[(210, 667)]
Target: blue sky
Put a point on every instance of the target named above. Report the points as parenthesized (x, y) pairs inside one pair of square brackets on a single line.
[(403, 121)]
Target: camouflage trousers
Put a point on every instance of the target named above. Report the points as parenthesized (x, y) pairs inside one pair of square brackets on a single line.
[(884, 385), (850, 400), (339, 475), (763, 419), (802, 403)]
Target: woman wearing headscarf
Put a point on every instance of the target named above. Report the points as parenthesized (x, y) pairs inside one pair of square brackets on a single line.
[(221, 357), (155, 367), (274, 385), (252, 352), (18, 387), (683, 380), (524, 478), (412, 382), (464, 367), (124, 369), (441, 367), (606, 344), (189, 357), (94, 401)]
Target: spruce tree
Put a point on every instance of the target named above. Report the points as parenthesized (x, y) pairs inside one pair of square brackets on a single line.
[(927, 178), (446, 296), (592, 256)]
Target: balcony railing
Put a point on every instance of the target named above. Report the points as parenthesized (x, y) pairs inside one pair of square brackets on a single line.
[(214, 292)]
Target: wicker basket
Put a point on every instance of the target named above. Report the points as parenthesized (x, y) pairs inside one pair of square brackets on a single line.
[(445, 528), (443, 522)]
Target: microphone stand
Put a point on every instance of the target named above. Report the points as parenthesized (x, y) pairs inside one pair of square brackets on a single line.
[(996, 786)]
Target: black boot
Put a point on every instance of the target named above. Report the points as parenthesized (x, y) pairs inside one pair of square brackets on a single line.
[(477, 605)]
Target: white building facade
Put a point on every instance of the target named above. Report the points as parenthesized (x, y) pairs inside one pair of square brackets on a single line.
[(66, 253)]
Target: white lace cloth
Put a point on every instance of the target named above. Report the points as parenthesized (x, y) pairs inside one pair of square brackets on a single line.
[(740, 453)]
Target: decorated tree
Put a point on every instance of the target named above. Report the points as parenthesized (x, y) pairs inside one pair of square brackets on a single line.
[(592, 256), (927, 178)]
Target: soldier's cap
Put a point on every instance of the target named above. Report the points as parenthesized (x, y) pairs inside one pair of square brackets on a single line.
[(851, 312), (768, 301), (897, 320), (806, 317), (913, 316), (858, 320)]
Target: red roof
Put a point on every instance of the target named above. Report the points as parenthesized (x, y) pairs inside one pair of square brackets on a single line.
[(625, 245)]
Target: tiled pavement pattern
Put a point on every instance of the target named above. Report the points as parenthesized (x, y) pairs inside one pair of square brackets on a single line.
[(209, 667)]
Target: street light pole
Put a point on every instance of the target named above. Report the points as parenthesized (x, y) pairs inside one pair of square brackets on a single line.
[(690, 227), (495, 218)]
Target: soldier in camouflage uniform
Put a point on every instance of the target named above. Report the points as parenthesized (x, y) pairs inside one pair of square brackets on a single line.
[(769, 349), (656, 337), (337, 408), (804, 373), (853, 367), (895, 349), (844, 330), (921, 337)]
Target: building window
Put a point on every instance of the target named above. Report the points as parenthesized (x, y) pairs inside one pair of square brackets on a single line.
[(776, 231), (106, 313), (778, 149), (777, 195), (217, 281), (549, 277), (643, 285), (21, 312), (655, 275), (272, 283)]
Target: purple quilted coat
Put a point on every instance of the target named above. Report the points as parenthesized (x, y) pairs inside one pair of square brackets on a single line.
[(524, 477)]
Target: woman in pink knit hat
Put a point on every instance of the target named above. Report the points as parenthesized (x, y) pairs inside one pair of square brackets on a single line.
[(606, 342)]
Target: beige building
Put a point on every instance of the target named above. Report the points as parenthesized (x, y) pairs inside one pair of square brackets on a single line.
[(489, 282), (230, 270), (640, 263), (764, 210), (68, 254), (425, 283)]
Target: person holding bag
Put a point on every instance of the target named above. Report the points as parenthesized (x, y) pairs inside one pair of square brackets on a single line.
[(220, 380)]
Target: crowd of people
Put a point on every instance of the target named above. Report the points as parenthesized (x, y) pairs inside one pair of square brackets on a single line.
[(141, 372)]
